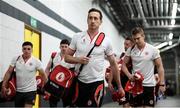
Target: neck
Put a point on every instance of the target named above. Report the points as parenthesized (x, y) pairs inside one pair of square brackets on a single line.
[(142, 45), (25, 57), (92, 33), (62, 54)]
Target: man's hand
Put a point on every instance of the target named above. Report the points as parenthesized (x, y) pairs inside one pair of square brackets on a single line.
[(162, 88), (131, 77), (4, 91), (110, 87), (83, 60), (121, 92)]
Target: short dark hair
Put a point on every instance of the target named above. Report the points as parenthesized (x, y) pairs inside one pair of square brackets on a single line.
[(137, 30), (64, 41), (27, 43), (95, 10), (129, 38)]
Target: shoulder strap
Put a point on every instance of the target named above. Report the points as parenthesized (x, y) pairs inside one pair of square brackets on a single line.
[(17, 60), (13, 74), (97, 43), (52, 57)]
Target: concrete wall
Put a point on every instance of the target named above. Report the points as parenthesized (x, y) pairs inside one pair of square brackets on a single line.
[(11, 37), (73, 11)]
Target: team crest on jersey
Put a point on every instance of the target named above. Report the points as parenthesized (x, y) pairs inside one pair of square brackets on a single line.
[(146, 53), (30, 64), (60, 76), (89, 102), (151, 102)]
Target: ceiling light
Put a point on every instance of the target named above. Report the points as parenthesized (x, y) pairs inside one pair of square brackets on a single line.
[(178, 9), (170, 36), (173, 21), (174, 10), (161, 45), (170, 43)]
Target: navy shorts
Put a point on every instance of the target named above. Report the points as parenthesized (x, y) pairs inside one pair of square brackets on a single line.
[(89, 94), (144, 99), (23, 98)]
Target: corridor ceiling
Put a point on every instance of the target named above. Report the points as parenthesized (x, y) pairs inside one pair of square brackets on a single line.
[(159, 18)]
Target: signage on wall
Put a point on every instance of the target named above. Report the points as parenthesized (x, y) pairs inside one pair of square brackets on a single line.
[(33, 22)]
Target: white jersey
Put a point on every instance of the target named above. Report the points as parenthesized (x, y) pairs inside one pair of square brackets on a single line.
[(26, 73), (58, 60), (143, 61), (93, 71)]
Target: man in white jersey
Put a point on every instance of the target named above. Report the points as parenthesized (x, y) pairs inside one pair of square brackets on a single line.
[(26, 67), (58, 59), (91, 78), (144, 57)]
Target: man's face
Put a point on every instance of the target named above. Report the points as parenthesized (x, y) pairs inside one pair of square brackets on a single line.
[(138, 39), (127, 44), (94, 20), (64, 48), (27, 50)]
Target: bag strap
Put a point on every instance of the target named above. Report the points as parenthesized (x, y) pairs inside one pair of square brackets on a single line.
[(52, 57), (14, 73), (16, 61), (97, 43)]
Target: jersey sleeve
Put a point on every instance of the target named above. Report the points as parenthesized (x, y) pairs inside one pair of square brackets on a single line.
[(109, 49), (155, 54), (13, 61), (38, 65)]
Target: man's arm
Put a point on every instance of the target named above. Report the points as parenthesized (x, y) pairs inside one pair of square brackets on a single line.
[(48, 67), (69, 58), (125, 69), (6, 79), (43, 75), (160, 69), (115, 70)]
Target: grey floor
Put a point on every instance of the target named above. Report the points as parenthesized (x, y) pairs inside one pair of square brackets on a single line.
[(169, 102)]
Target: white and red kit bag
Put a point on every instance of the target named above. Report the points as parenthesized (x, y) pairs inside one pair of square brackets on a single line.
[(60, 81)]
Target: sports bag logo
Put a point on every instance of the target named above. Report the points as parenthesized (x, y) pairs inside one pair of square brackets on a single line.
[(60, 77)]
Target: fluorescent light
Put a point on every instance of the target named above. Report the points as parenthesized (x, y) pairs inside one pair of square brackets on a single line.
[(161, 45), (173, 21), (170, 36), (174, 10), (170, 43)]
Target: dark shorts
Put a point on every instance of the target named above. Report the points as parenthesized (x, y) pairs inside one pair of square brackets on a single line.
[(144, 99), (23, 98), (90, 95)]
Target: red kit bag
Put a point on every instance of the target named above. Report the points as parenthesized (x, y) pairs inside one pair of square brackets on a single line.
[(11, 86), (60, 81)]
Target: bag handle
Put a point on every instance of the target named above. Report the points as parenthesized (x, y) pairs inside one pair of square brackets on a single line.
[(52, 57), (97, 43), (13, 73)]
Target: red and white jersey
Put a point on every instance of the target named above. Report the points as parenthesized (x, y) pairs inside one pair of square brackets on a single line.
[(94, 70), (143, 61), (26, 73)]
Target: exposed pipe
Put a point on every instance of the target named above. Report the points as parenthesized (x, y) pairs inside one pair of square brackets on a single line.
[(166, 6), (140, 10), (161, 10), (167, 26), (151, 10), (161, 7), (156, 18), (155, 2), (145, 7), (130, 9)]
